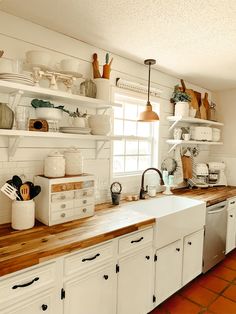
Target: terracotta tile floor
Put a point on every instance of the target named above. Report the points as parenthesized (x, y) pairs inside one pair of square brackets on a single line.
[(213, 292)]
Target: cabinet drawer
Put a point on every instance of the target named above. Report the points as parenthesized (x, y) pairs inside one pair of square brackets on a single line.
[(84, 211), (84, 193), (84, 201), (232, 203), (62, 205), (88, 258), (62, 187), (62, 196), (25, 283), (135, 240), (62, 215)]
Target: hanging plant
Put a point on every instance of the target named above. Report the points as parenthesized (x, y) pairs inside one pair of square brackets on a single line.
[(179, 95)]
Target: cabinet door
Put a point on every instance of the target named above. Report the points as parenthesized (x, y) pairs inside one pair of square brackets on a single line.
[(45, 303), (168, 270), (231, 230), (135, 282), (193, 255), (93, 293)]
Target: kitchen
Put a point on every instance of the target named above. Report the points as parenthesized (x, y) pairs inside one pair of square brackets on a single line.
[(74, 156)]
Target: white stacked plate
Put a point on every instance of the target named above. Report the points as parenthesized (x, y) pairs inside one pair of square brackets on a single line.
[(17, 78), (75, 130)]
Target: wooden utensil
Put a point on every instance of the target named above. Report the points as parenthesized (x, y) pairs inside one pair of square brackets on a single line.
[(187, 167), (194, 102), (25, 192), (96, 72), (1, 53), (107, 68), (203, 112), (206, 104)]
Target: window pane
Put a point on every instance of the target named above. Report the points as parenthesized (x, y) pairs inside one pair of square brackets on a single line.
[(131, 147), (118, 147), (118, 164), (118, 127), (130, 112), (131, 163), (144, 147), (144, 162), (118, 112), (144, 129), (130, 128)]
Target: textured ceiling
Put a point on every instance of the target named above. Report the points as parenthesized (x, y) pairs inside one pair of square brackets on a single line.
[(193, 39)]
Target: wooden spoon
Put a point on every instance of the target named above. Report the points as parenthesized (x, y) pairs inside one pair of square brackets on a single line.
[(25, 192), (96, 72)]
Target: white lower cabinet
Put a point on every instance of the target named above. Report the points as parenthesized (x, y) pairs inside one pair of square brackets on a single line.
[(192, 256), (43, 303), (134, 294), (231, 229), (93, 293), (168, 270)]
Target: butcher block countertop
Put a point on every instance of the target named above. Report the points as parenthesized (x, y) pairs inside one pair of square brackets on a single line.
[(210, 195), (21, 249)]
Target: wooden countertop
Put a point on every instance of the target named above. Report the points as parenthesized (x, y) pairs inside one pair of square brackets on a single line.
[(209, 195), (21, 249)]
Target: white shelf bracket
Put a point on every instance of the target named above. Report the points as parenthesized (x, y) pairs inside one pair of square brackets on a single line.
[(13, 144), (16, 99), (175, 123), (173, 147), (99, 147)]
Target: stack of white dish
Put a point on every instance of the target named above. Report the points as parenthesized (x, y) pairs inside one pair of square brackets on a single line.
[(75, 130), (17, 78)]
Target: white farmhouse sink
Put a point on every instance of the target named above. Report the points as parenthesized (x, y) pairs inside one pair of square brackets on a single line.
[(176, 216)]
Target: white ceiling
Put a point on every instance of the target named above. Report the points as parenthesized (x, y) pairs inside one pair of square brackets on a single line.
[(193, 39)]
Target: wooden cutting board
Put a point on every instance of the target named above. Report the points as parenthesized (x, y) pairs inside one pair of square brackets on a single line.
[(203, 111), (194, 101), (187, 167), (205, 102)]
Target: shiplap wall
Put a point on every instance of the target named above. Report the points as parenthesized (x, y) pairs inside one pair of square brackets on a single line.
[(18, 36)]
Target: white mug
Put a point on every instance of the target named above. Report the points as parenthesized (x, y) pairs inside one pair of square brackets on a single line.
[(186, 137)]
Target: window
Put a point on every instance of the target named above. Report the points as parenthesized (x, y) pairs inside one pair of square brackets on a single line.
[(131, 156)]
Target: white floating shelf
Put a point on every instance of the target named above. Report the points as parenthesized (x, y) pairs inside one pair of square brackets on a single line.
[(175, 143), (179, 119), (56, 95)]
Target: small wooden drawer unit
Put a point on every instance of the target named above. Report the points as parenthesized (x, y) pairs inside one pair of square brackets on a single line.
[(64, 199)]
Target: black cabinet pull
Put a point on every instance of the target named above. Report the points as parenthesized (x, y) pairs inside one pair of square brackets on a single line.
[(189, 242), (147, 257), (105, 277), (44, 307), (178, 249), (26, 284), (135, 241), (90, 258), (231, 216), (233, 202)]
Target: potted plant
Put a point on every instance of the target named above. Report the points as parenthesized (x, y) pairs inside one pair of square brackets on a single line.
[(181, 100), (78, 119)]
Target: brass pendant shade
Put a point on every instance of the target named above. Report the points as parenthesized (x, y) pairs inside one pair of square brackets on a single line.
[(148, 115)]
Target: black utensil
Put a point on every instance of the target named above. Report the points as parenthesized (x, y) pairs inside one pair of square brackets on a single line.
[(16, 180), (34, 191), (14, 186)]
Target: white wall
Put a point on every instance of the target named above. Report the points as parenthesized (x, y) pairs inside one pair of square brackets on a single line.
[(18, 36), (226, 112)]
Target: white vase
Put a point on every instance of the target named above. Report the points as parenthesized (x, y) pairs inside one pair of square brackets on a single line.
[(23, 215), (103, 88), (182, 109)]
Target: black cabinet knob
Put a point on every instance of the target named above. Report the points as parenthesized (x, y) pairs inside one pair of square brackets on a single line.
[(177, 249), (105, 277), (231, 216), (44, 307), (147, 257), (189, 242)]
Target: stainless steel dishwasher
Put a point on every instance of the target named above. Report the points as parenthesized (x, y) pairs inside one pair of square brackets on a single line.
[(215, 235)]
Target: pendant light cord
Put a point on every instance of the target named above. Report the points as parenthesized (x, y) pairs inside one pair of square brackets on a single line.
[(149, 76)]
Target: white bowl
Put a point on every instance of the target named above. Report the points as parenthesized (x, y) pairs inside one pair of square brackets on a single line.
[(100, 124), (40, 58), (69, 65), (48, 113)]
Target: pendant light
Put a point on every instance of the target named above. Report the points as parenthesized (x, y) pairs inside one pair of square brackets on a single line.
[(148, 115)]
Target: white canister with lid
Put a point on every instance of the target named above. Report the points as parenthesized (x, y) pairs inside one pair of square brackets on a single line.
[(74, 161), (54, 165)]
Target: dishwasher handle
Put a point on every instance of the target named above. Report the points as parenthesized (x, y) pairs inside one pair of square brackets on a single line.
[(218, 210)]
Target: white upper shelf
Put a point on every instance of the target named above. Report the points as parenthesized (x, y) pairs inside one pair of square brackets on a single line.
[(56, 95), (193, 120)]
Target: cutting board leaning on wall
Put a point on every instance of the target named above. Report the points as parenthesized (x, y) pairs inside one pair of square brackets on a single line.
[(195, 98)]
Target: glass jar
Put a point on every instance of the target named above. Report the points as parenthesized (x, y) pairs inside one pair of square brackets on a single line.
[(6, 117), (88, 88)]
